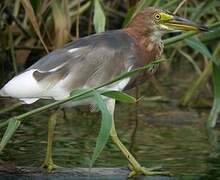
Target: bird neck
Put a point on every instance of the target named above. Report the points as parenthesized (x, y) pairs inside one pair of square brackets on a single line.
[(150, 41)]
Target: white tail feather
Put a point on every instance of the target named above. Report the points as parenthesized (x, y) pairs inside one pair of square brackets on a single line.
[(29, 100), (2, 92)]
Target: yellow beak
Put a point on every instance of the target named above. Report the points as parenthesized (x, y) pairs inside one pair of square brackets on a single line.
[(178, 23)]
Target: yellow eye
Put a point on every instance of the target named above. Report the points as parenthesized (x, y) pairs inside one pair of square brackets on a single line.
[(157, 16)]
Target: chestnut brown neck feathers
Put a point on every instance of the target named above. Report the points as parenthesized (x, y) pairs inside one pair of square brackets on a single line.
[(149, 45), (142, 29), (142, 23)]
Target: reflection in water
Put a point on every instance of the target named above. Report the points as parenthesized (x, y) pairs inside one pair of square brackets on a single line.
[(214, 156), (162, 135)]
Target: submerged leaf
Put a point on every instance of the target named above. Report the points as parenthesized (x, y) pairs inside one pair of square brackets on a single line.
[(119, 96), (99, 18), (106, 125), (13, 124)]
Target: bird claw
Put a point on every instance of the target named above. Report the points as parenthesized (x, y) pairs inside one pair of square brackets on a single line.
[(49, 166), (154, 171)]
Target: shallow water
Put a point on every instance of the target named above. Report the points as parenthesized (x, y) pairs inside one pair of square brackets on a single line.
[(156, 134)]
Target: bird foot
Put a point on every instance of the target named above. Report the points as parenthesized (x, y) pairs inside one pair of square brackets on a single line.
[(154, 171), (49, 166)]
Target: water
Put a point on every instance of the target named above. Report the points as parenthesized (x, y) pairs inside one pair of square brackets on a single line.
[(159, 134)]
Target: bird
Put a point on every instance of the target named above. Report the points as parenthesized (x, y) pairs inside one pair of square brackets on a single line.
[(95, 59)]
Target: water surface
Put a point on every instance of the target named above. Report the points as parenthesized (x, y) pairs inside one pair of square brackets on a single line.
[(156, 134)]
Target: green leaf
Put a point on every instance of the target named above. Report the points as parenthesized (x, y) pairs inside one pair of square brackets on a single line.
[(212, 36), (99, 19), (202, 9), (106, 125), (78, 92), (13, 124), (216, 104), (197, 45), (128, 16), (119, 96)]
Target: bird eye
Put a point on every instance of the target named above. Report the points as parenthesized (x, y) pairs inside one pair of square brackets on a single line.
[(157, 16)]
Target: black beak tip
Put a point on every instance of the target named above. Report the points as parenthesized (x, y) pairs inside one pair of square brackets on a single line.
[(204, 28)]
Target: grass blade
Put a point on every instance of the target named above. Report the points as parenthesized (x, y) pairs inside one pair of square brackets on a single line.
[(202, 9), (197, 45), (212, 36), (197, 85), (106, 125), (31, 15), (60, 24), (13, 124), (77, 92), (216, 104), (99, 19), (119, 96)]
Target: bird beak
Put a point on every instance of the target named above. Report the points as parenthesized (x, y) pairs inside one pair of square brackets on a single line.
[(179, 23)]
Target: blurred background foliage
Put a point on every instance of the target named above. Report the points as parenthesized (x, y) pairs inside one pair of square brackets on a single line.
[(31, 28)]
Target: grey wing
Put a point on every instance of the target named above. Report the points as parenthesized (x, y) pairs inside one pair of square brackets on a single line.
[(85, 64)]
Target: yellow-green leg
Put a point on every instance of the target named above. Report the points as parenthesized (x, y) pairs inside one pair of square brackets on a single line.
[(135, 167), (48, 162)]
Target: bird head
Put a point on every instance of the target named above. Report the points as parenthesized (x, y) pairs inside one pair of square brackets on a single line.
[(157, 20)]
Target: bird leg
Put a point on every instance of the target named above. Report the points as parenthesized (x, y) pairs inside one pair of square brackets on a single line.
[(48, 162), (135, 167)]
